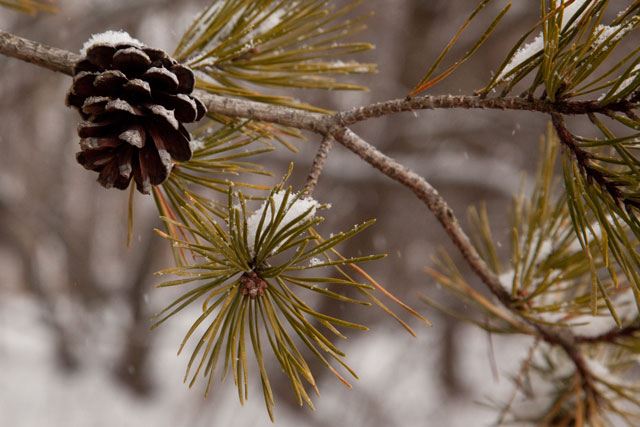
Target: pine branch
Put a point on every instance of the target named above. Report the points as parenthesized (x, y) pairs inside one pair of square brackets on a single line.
[(429, 102), (36, 53), (334, 126), (62, 61)]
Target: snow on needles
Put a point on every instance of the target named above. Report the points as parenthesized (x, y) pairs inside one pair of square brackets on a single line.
[(293, 209), (530, 49), (110, 37), (524, 53)]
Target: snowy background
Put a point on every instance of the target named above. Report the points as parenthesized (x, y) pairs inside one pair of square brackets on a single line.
[(75, 345)]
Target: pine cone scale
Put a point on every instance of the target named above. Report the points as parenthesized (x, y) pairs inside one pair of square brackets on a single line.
[(186, 80), (161, 79), (97, 130), (131, 61), (108, 175), (83, 83), (183, 106), (100, 55), (133, 100), (162, 115), (124, 165), (137, 90), (99, 143), (135, 135), (171, 140), (110, 81)]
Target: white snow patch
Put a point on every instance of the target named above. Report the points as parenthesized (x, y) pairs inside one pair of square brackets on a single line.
[(551, 316), (606, 31), (545, 249), (524, 53), (506, 280), (110, 37), (598, 369), (571, 10), (630, 79), (597, 234), (530, 49), (196, 144), (626, 306), (293, 210), (602, 371), (543, 385), (540, 249), (314, 261), (592, 326), (268, 24)]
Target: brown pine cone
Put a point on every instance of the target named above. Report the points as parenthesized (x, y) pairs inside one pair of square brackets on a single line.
[(133, 100)]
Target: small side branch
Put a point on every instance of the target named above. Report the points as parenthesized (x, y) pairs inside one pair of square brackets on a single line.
[(318, 162), (434, 201), (286, 116), (429, 102)]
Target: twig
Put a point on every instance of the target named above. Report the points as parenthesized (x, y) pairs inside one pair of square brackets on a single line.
[(318, 163), (430, 196), (518, 381), (429, 102), (584, 159), (612, 335)]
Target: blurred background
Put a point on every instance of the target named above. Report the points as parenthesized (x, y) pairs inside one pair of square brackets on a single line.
[(75, 303)]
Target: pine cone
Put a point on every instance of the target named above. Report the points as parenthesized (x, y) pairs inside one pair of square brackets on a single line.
[(133, 100)]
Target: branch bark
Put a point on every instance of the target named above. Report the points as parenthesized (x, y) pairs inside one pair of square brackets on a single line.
[(36, 53)]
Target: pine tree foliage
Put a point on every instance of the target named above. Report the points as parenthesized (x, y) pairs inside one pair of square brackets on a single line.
[(550, 278), (273, 43), (250, 266), (574, 241), (253, 270), (567, 63), (600, 174), (571, 282)]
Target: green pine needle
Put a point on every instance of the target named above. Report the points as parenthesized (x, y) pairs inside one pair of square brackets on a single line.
[(273, 43), (255, 271)]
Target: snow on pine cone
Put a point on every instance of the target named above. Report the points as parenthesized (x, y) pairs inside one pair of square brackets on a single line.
[(133, 100)]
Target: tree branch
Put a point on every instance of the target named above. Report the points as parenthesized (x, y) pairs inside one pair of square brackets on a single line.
[(36, 53), (434, 201), (62, 61), (334, 126), (429, 102)]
